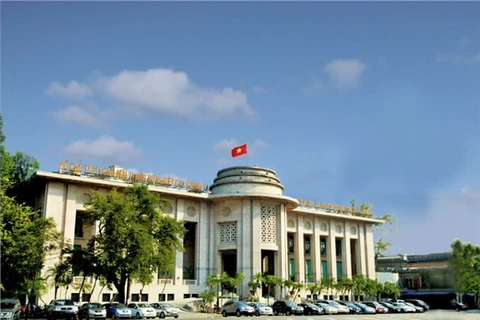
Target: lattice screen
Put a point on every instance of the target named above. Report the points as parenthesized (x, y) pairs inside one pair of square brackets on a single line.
[(228, 232), (268, 215)]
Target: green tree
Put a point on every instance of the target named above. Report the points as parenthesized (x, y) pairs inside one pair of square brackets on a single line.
[(465, 263), (26, 238), (134, 239)]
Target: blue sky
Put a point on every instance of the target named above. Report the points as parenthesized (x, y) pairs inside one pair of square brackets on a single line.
[(378, 102)]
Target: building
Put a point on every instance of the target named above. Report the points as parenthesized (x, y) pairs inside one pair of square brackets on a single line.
[(241, 223), (427, 272)]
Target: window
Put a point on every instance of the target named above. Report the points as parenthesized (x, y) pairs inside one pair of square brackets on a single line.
[(323, 246), (145, 297), (186, 295), (79, 224), (86, 297), (338, 247), (324, 269), (170, 297), (291, 243), (307, 245), (292, 270), (308, 271), (339, 270), (161, 297), (105, 297), (135, 297), (194, 295), (75, 297)]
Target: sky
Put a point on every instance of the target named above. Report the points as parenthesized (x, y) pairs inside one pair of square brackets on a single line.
[(375, 101)]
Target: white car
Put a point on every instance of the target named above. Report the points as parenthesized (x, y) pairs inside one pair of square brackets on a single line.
[(403, 307), (261, 308), (327, 308), (142, 310)]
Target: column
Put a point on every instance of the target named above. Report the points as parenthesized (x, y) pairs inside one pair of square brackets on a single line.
[(245, 245), (317, 264), (281, 256), (347, 253), (361, 254), (370, 251), (300, 251), (255, 231), (202, 248), (178, 278), (331, 254)]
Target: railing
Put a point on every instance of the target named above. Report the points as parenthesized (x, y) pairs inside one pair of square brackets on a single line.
[(190, 282), (165, 281)]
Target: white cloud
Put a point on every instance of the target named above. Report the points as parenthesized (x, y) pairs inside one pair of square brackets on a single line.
[(460, 58), (73, 90), (105, 148), (91, 117), (449, 216), (171, 92), (345, 73)]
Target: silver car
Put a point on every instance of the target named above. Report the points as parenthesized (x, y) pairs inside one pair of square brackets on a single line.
[(164, 309), (238, 308), (261, 308), (92, 310), (10, 309)]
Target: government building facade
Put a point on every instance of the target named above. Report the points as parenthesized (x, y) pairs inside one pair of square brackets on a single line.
[(242, 222)]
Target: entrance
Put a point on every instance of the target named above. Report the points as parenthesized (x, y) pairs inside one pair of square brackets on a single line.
[(229, 262), (268, 267)]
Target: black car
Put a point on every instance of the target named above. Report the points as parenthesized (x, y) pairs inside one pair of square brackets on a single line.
[(286, 307), (310, 308), (419, 303)]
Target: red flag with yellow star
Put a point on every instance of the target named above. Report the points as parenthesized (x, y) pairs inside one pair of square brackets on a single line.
[(239, 151)]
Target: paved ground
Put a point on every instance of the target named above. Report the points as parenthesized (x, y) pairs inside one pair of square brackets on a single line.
[(431, 315)]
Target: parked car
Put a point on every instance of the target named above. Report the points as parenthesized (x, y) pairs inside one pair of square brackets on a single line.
[(261, 308), (391, 308), (353, 308), (92, 310), (286, 307), (340, 307), (310, 308), (10, 309), (238, 308), (403, 307), (458, 306), (365, 309), (377, 306), (419, 303), (417, 308), (327, 309), (164, 309), (117, 311), (62, 309), (142, 310)]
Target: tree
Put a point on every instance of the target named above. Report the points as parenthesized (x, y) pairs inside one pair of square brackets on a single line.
[(134, 239), (465, 263)]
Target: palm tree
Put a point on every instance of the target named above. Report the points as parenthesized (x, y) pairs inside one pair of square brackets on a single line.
[(62, 276), (255, 284), (345, 285), (237, 280), (271, 281), (213, 281), (359, 285)]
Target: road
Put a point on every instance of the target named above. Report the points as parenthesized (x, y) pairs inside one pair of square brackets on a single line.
[(431, 315)]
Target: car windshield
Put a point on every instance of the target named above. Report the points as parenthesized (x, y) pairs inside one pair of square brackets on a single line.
[(242, 304), (166, 305), (118, 305), (65, 302), (311, 305), (387, 304), (262, 305), (94, 305), (7, 305), (144, 305), (290, 303), (334, 303)]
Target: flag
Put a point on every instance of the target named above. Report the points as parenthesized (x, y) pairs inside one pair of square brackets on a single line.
[(239, 151)]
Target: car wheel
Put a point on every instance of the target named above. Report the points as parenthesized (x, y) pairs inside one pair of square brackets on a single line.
[(137, 315), (176, 317), (257, 313), (238, 313), (162, 315), (402, 311), (224, 313), (275, 312), (287, 313)]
